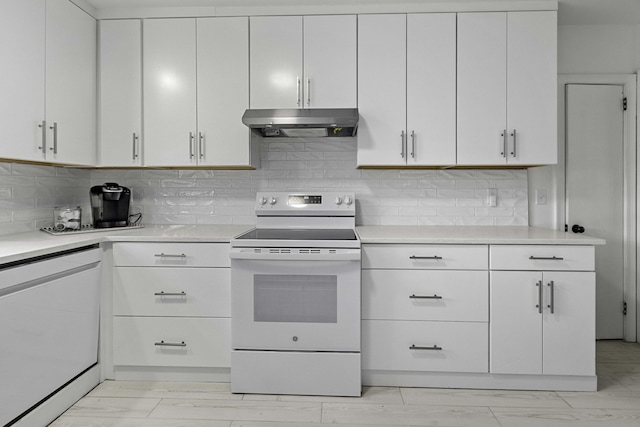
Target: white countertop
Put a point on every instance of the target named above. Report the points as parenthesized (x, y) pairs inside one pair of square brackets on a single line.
[(16, 247), (471, 235)]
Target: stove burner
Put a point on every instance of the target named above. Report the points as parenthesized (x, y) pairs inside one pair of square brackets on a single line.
[(299, 234)]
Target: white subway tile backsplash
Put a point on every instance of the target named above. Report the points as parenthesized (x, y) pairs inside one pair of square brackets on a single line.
[(383, 196)]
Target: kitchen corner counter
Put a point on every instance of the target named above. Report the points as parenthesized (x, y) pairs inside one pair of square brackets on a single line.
[(488, 235), (16, 247)]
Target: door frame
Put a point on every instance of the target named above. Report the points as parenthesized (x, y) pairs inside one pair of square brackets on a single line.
[(631, 324)]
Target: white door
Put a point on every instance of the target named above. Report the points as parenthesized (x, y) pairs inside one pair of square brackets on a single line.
[(330, 70), (22, 26), (382, 86), (70, 84), (223, 91), (120, 86), (532, 99), (482, 77), (595, 190), (169, 54), (431, 88), (276, 61)]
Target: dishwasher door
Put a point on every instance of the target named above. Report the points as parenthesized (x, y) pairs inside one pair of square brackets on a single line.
[(48, 329)]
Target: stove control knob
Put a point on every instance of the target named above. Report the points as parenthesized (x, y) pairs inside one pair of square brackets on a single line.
[(262, 201), (273, 201), (348, 200), (338, 200)]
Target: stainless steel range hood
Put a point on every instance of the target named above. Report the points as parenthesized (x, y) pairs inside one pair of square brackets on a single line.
[(302, 122)]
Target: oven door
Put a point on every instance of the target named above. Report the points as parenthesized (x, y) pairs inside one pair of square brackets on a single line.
[(295, 301)]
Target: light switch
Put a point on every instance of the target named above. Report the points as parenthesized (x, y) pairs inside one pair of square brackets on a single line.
[(541, 196), (492, 197)]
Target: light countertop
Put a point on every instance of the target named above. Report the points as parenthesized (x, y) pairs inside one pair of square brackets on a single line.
[(471, 235), (16, 247)]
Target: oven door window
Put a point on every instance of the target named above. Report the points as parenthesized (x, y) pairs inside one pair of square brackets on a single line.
[(295, 298)]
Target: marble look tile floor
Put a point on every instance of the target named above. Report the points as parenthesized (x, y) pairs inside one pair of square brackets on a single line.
[(161, 404)]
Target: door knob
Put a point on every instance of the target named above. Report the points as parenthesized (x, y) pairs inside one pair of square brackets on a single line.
[(577, 228)]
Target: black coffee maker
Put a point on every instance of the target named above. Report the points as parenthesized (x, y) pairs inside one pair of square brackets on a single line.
[(110, 205)]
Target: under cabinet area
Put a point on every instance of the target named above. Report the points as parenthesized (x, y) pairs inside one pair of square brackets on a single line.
[(172, 309), (424, 309)]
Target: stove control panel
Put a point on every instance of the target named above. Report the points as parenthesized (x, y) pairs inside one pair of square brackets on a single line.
[(305, 204)]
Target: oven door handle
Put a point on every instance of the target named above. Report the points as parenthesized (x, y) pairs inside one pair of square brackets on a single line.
[(343, 255)]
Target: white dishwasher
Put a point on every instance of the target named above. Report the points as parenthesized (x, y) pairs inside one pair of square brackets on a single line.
[(49, 313)]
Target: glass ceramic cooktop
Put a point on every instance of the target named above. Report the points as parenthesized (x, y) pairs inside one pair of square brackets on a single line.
[(299, 234)]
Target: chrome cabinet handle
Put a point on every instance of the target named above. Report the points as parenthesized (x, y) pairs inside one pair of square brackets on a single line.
[(425, 257), (170, 294), (544, 258), (201, 145), (43, 126), (434, 296), (163, 255), (298, 90), (513, 138), (55, 138), (308, 92), (191, 138), (171, 344), (551, 305), (539, 305), (413, 144), (503, 153), (135, 151), (402, 144), (415, 347)]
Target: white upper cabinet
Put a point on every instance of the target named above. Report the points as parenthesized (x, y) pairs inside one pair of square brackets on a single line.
[(169, 54), (22, 31), (70, 101), (507, 73), (406, 90), (47, 110), (223, 91), (302, 62), (120, 93)]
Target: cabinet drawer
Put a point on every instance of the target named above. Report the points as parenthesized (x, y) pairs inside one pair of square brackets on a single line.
[(425, 295), (207, 342), (542, 257), (161, 254), (428, 257), (150, 291), (386, 346)]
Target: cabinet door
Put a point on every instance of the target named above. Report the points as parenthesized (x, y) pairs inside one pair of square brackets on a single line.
[(120, 92), (431, 88), (382, 86), (532, 87), (330, 62), (482, 77), (223, 91), (569, 332), (70, 84), (276, 62), (515, 323), (169, 54), (22, 31)]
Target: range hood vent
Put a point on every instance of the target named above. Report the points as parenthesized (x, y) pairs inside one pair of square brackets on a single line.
[(303, 122)]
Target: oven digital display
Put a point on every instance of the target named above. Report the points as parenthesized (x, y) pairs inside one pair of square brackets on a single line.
[(304, 200)]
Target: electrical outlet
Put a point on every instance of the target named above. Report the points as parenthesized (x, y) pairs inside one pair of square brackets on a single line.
[(541, 196), (492, 197)]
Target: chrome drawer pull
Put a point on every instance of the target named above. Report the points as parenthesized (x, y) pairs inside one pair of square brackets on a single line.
[(171, 344), (425, 257), (434, 296), (545, 258), (170, 294), (163, 255), (415, 347)]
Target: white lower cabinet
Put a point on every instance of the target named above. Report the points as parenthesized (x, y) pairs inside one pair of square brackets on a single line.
[(171, 306)]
